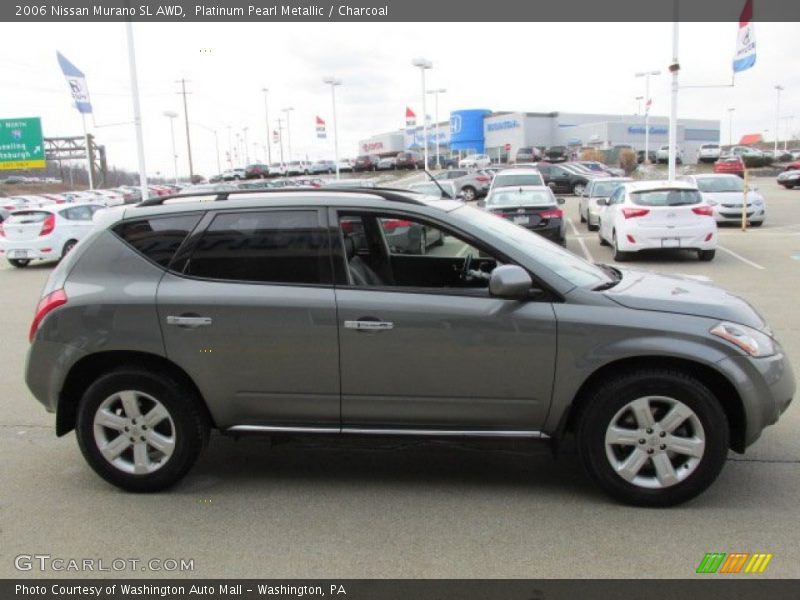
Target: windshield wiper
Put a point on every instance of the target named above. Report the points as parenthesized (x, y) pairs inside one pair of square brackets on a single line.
[(616, 277)]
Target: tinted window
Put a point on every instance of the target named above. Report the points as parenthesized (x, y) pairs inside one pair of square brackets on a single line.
[(273, 246), (78, 213), (674, 197), (720, 184), (158, 238), (517, 180)]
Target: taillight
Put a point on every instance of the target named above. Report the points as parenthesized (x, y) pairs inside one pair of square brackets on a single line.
[(632, 213), (482, 178), (48, 225), (46, 305), (704, 211), (393, 224), (556, 213)]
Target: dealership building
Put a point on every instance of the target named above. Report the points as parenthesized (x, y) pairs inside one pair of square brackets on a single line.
[(501, 134)]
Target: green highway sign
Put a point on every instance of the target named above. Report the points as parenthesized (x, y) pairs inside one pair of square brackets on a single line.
[(21, 144)]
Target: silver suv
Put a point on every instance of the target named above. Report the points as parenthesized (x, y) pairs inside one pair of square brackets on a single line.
[(301, 312)]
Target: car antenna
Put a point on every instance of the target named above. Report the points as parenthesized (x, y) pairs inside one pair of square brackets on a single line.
[(433, 179)]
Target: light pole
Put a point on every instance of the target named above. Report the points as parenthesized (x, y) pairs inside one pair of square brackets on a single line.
[(230, 148), (216, 142), (646, 75), (778, 89), (730, 126), (423, 65), (788, 133), (436, 117), (172, 115), (288, 110), (674, 69), (246, 149), (333, 82), (266, 119), (639, 104)]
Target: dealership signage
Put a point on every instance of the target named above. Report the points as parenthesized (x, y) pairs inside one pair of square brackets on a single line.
[(653, 130), (506, 124), (372, 146)]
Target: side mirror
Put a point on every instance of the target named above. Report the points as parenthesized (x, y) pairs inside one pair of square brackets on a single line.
[(560, 200), (602, 202), (510, 281)]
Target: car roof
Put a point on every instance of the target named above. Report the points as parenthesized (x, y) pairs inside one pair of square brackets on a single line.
[(54, 208), (714, 175), (522, 188), (658, 184), (519, 171)]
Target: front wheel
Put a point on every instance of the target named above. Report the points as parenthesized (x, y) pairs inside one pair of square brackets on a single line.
[(706, 255), (19, 263), (578, 188), (653, 437), (140, 430), (469, 193)]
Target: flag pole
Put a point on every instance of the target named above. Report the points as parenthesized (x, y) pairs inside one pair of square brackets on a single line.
[(673, 108), (137, 115), (89, 166)]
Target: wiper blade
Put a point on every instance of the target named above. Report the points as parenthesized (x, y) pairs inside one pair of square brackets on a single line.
[(615, 274)]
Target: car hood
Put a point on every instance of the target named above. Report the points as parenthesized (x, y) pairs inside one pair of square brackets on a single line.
[(643, 290), (730, 197)]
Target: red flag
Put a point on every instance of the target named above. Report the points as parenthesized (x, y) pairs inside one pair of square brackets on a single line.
[(320, 121), (747, 13), (410, 113)]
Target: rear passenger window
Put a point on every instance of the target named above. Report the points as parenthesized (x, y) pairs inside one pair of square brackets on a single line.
[(268, 247), (158, 238)]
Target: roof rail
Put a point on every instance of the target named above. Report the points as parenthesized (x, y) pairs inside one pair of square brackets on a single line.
[(391, 194)]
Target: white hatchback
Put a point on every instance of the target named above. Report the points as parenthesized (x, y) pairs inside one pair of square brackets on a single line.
[(44, 233), (656, 215), (475, 161)]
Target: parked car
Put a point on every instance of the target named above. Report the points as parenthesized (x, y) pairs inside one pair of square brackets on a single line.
[(439, 189), (708, 153), (445, 162), (232, 174), (657, 215), (599, 168), (730, 164), (366, 162), (530, 341), (556, 154), (533, 207), (387, 163), (793, 166), (44, 233), (470, 184), (277, 170), (651, 154), (297, 167), (789, 179), (474, 161), (725, 195), (15, 179), (19, 202), (662, 155), (256, 171), (589, 207), (563, 179), (322, 166), (745, 151), (345, 165), (409, 160), (515, 178), (528, 154), (349, 183), (106, 197)]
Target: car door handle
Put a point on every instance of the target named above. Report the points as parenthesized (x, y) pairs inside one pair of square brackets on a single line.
[(364, 325), (189, 321)]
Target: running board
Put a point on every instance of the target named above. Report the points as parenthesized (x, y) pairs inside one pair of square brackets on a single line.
[(485, 433)]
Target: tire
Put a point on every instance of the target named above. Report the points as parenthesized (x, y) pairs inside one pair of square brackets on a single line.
[(469, 193), (578, 188), (600, 237), (591, 227), (185, 424), (583, 219), (19, 263), (68, 247), (703, 435), (756, 223), (706, 255), (619, 255)]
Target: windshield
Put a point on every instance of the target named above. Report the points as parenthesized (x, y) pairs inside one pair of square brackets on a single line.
[(28, 216), (720, 184), (517, 197), (516, 180), (574, 269), (668, 197), (604, 189)]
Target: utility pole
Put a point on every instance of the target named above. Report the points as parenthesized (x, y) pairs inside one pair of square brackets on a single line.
[(246, 148), (183, 93), (778, 89), (266, 118), (288, 112), (730, 125), (280, 137), (230, 148), (333, 82)]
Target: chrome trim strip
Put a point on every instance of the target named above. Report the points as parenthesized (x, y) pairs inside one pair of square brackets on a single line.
[(280, 429), (412, 432)]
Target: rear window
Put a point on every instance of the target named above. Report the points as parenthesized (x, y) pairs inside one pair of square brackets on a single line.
[(157, 238), (526, 197), (668, 197), (27, 216), (713, 185), (710, 146), (517, 180)]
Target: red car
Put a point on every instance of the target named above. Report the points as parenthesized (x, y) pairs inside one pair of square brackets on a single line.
[(730, 165), (793, 166)]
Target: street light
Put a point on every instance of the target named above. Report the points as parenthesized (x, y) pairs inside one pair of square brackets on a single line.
[(778, 89), (730, 126), (788, 133), (288, 110), (639, 104), (246, 149), (266, 118), (333, 82), (172, 115), (436, 117), (216, 142), (423, 65), (646, 75)]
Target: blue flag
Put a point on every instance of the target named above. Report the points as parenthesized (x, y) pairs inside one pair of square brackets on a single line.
[(745, 56), (77, 84)]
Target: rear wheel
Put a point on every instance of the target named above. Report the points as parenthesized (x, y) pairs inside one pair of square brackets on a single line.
[(68, 247), (422, 247), (591, 227), (578, 188), (139, 430), (469, 193), (19, 263), (619, 255), (706, 255), (600, 237), (583, 218), (653, 437)]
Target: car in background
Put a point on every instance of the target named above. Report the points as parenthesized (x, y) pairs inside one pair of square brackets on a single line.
[(662, 155), (746, 151), (253, 184), (657, 215), (232, 174), (277, 169), (107, 197), (44, 233), (725, 195), (789, 179), (708, 153), (517, 177), (564, 179), (256, 171), (652, 156), (556, 154), (474, 161), (730, 164), (366, 162), (589, 207), (349, 183), (386, 163), (208, 188), (793, 166), (19, 202), (533, 207), (322, 166), (470, 184), (297, 167), (402, 236), (4, 214), (599, 168), (345, 165), (528, 154), (439, 189), (409, 160), (445, 162)]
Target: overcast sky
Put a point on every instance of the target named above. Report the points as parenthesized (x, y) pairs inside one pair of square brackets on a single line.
[(576, 67)]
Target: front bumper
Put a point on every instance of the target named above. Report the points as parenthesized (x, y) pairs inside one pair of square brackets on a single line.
[(724, 214)]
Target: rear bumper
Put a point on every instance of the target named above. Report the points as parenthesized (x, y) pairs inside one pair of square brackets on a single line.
[(700, 237), (38, 249), (553, 231)]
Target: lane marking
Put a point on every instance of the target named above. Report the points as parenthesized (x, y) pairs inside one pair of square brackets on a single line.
[(585, 249), (575, 231), (742, 258)]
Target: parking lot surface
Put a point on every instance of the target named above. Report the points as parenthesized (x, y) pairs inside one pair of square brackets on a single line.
[(319, 507)]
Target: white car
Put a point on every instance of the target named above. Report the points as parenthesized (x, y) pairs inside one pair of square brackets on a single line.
[(475, 161), (44, 233), (277, 169), (345, 164), (597, 189), (107, 197), (709, 153), (662, 154), (19, 202), (516, 177), (725, 195), (232, 174), (656, 215)]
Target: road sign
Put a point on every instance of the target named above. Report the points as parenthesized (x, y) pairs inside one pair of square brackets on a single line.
[(507, 147), (21, 144)]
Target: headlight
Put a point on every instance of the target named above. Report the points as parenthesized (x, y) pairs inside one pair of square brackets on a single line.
[(752, 341), (758, 201)]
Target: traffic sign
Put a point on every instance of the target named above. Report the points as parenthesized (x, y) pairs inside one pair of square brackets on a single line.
[(21, 144), (507, 147)]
